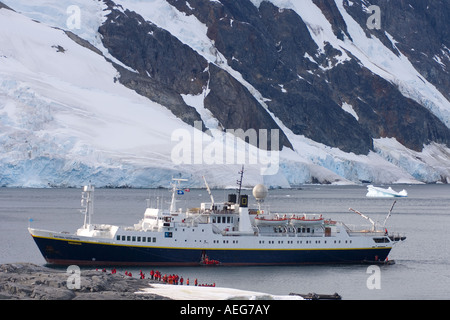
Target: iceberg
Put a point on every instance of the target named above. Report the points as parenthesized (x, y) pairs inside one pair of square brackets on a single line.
[(384, 193)]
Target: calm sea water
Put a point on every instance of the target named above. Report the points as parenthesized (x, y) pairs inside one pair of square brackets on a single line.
[(422, 261)]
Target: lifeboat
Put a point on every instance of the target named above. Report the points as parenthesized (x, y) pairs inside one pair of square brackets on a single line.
[(305, 219), (206, 261), (265, 220)]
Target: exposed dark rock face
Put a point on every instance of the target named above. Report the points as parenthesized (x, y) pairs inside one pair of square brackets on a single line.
[(273, 50), (421, 29), (161, 75), (383, 110), (234, 107), (166, 68), (268, 46)]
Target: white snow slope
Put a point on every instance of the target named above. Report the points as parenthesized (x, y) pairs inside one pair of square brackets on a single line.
[(64, 121)]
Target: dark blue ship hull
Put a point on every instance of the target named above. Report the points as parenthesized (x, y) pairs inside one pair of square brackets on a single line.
[(66, 252)]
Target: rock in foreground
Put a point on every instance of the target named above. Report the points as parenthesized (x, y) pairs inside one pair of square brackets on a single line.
[(34, 282)]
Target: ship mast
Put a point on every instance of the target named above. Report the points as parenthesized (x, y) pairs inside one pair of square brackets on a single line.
[(175, 188), (239, 182), (87, 202)]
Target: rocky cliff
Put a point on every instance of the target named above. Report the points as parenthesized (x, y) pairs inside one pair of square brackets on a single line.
[(303, 86), (358, 90)]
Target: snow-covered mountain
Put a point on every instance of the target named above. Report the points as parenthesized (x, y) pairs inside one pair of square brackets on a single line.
[(135, 92)]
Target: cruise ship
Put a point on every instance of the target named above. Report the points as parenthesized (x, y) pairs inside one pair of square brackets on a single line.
[(226, 233)]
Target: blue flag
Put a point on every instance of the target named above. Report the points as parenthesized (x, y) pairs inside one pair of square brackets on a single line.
[(180, 192)]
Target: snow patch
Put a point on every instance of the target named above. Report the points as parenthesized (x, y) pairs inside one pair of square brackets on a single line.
[(211, 293), (349, 108)]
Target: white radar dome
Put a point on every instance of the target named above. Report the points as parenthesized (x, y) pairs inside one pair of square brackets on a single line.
[(260, 192)]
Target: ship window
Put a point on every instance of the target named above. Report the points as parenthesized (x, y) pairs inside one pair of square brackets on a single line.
[(117, 237), (133, 238), (228, 219), (381, 240), (128, 238), (123, 238), (139, 239), (143, 239), (154, 239)]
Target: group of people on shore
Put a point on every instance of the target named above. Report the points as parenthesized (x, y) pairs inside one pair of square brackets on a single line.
[(173, 279)]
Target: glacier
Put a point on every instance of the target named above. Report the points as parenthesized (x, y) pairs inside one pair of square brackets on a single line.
[(64, 120)]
